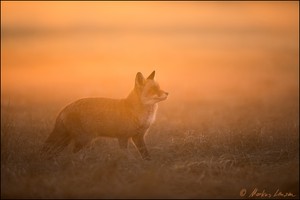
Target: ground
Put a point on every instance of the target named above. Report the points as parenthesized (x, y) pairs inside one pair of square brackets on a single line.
[(199, 149)]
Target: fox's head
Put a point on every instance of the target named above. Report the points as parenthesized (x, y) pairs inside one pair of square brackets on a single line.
[(148, 89)]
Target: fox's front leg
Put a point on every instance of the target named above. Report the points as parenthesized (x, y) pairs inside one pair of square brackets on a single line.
[(139, 142), (123, 143)]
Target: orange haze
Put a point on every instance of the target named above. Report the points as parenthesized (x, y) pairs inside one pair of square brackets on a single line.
[(200, 50)]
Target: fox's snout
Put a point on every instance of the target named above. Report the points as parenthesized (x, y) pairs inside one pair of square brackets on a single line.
[(166, 93)]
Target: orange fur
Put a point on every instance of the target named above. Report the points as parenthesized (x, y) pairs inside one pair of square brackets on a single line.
[(88, 118)]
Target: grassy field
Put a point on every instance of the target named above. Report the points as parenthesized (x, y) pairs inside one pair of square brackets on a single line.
[(229, 128), (200, 149)]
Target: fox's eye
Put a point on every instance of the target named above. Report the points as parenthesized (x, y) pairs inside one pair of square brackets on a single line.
[(153, 91)]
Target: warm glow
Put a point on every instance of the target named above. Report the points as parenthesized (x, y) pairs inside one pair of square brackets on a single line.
[(95, 48), (230, 122)]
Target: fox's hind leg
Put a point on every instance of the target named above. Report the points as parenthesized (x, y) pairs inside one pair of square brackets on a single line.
[(81, 140)]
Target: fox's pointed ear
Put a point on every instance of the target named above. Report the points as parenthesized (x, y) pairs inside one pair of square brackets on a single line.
[(139, 79), (151, 76)]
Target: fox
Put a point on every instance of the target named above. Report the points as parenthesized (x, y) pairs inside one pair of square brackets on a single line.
[(125, 119)]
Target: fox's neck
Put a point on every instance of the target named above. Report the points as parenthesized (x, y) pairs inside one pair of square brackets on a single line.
[(144, 113), (134, 102)]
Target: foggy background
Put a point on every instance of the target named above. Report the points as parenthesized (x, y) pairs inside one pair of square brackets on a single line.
[(231, 120), (200, 50)]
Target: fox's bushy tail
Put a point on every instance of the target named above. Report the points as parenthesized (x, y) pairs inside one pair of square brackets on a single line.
[(56, 142)]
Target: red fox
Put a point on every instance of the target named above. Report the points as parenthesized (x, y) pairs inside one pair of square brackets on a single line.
[(88, 118)]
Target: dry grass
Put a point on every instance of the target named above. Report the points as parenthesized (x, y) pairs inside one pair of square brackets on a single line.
[(231, 120), (200, 149)]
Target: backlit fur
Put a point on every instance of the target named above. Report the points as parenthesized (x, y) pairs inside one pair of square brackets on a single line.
[(88, 118)]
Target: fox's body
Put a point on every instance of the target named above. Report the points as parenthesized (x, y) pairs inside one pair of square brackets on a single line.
[(86, 119)]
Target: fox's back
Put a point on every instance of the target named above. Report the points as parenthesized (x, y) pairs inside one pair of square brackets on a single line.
[(99, 116)]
